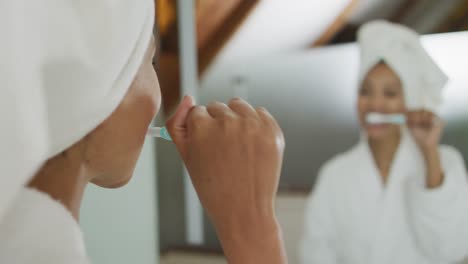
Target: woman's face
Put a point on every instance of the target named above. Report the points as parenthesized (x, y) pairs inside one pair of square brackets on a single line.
[(113, 148), (381, 91)]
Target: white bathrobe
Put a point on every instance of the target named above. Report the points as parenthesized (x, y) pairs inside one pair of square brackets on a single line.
[(40, 230), (353, 218)]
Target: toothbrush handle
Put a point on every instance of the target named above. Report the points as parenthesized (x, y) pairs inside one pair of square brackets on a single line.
[(163, 133), (160, 132)]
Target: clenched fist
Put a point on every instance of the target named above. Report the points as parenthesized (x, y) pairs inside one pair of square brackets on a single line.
[(234, 154)]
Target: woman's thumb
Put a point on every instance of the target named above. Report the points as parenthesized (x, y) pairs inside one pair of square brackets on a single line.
[(177, 124)]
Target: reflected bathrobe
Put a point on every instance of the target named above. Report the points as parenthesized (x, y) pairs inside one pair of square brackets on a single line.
[(352, 218)]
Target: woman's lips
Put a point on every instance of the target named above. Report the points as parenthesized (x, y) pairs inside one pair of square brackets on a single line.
[(376, 126)]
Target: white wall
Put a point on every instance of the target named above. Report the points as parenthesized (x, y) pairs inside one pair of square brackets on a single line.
[(120, 225), (281, 26)]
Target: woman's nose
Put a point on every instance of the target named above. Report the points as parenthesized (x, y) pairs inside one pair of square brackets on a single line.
[(376, 104)]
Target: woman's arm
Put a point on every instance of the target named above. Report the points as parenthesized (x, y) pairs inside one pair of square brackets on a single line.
[(234, 154), (253, 241), (427, 130), (438, 210), (434, 172)]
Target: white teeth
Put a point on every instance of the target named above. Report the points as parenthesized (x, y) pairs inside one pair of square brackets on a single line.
[(379, 118)]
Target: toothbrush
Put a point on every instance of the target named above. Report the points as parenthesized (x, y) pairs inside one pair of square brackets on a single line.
[(378, 118), (160, 132)]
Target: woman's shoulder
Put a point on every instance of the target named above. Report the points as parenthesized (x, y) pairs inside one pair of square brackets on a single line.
[(37, 219)]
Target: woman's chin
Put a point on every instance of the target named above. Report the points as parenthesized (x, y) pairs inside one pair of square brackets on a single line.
[(112, 184)]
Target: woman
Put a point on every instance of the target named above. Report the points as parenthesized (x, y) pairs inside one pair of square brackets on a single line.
[(397, 196), (79, 92)]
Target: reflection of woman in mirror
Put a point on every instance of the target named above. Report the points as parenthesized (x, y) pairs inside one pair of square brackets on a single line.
[(397, 196)]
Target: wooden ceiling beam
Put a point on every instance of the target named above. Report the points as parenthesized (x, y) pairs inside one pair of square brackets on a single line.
[(166, 15), (349, 31), (457, 20), (169, 81), (211, 15), (212, 43), (337, 25), (403, 10)]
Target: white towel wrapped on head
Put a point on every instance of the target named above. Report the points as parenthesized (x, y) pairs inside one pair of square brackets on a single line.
[(401, 49), (65, 67)]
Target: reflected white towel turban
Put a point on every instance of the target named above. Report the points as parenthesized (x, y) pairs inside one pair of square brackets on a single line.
[(64, 68), (401, 49)]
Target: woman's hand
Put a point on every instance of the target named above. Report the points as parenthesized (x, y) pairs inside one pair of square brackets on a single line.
[(427, 130), (234, 154)]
